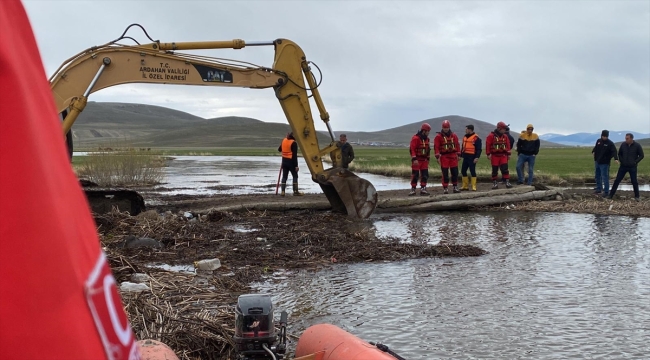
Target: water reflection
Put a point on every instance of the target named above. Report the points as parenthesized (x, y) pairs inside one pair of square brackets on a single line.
[(552, 286)]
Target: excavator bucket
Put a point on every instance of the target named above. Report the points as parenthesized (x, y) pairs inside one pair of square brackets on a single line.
[(348, 193)]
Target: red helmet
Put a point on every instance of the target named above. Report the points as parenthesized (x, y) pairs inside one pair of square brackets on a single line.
[(501, 125), (426, 127), (446, 124)]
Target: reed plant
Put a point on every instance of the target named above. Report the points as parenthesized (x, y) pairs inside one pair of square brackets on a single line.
[(121, 167)]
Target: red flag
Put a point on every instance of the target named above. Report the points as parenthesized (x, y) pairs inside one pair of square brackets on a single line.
[(58, 298)]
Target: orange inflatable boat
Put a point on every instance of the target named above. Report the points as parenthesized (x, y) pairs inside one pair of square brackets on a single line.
[(338, 344)]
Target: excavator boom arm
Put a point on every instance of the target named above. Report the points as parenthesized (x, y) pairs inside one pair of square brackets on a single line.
[(157, 63)]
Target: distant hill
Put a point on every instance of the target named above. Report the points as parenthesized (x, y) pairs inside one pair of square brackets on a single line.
[(231, 132), (584, 139), (645, 144), (156, 126), (401, 136)]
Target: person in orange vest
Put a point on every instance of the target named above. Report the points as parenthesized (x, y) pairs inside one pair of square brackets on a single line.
[(289, 150), (471, 152), (497, 148), (420, 150), (59, 296), (447, 152)]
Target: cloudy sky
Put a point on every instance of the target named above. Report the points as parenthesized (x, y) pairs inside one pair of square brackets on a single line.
[(565, 66)]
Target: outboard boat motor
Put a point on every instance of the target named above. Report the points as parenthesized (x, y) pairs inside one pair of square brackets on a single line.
[(255, 333)]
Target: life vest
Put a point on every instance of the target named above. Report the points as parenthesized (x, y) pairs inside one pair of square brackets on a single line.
[(448, 146), (286, 148), (423, 147), (468, 144), (500, 144)]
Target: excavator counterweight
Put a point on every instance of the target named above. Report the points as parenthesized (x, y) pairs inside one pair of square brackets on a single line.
[(290, 77)]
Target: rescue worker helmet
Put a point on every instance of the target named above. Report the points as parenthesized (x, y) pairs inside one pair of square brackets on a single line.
[(446, 124), (426, 127), (501, 125)]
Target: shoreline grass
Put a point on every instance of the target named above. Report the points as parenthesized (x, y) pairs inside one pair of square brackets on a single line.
[(554, 166)]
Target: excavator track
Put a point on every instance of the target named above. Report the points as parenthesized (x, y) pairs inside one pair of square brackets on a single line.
[(104, 200)]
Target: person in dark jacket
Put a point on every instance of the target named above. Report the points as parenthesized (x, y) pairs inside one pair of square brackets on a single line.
[(347, 153), (603, 152), (289, 150), (527, 150), (470, 151), (629, 154)]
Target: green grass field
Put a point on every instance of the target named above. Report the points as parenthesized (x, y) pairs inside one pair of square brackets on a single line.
[(553, 165)]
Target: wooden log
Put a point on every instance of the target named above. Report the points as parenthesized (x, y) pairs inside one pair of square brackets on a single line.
[(461, 204), (396, 202)]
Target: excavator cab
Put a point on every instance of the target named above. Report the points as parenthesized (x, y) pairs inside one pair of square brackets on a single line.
[(290, 77)]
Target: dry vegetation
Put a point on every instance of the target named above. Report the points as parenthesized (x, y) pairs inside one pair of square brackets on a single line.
[(122, 167), (193, 313)]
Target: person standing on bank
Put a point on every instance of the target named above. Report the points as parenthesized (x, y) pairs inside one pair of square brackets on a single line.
[(420, 150), (497, 148), (527, 150), (511, 141), (347, 153), (470, 151), (447, 152), (630, 154), (603, 152), (289, 150)]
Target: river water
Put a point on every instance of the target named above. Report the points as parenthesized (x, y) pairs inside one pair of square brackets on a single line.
[(553, 286), (192, 175)]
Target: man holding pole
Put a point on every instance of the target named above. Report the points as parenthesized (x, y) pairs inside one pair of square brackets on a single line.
[(289, 150)]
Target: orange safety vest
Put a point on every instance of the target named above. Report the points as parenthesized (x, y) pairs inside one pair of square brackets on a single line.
[(448, 145), (286, 148), (468, 144)]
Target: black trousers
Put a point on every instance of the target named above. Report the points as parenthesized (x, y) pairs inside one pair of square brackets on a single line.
[(288, 166), (468, 163)]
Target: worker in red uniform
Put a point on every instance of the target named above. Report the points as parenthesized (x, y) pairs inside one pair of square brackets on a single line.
[(497, 148), (289, 150), (447, 152), (58, 297), (420, 154)]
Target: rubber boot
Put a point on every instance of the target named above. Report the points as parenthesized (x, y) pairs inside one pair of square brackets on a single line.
[(465, 183), (284, 187), (295, 190), (473, 184)]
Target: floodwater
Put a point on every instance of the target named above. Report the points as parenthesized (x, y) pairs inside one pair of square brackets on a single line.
[(553, 286), (239, 175), (192, 175)]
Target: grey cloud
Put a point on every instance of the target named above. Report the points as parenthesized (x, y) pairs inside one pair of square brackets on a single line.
[(567, 65)]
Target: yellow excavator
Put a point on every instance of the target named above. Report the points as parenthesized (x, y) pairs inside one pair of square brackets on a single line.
[(159, 62)]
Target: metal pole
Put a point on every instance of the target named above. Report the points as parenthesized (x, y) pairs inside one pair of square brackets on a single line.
[(259, 43), (329, 128), (99, 73)]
